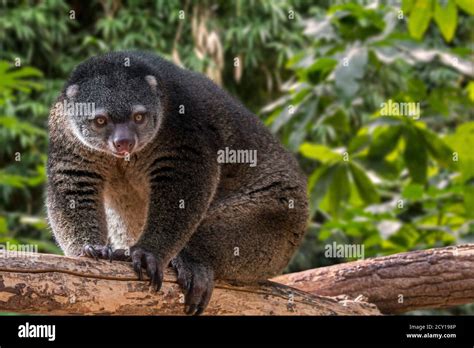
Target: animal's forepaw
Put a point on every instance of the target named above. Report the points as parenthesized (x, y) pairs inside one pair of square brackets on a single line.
[(197, 282), (153, 266), (98, 252)]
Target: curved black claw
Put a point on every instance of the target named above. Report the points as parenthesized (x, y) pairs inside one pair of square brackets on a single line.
[(98, 252), (145, 259), (197, 283)]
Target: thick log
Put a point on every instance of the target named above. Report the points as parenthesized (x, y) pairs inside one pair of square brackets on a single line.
[(435, 278), (52, 284)]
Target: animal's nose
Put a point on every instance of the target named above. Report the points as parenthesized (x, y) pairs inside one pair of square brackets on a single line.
[(124, 144)]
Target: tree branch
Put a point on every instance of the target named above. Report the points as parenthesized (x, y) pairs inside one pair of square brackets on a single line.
[(52, 284), (435, 278)]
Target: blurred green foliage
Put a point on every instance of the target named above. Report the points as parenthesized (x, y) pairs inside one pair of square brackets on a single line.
[(318, 74), (393, 183)]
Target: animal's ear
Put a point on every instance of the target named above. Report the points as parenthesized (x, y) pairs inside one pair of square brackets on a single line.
[(151, 81), (72, 91)]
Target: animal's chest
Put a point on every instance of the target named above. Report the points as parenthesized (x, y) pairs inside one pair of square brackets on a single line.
[(126, 206)]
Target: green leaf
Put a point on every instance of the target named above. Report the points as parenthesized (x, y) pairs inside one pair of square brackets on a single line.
[(469, 200), (470, 91), (382, 167), (21, 127), (407, 5), (447, 19), (339, 189), (11, 180), (385, 139), (339, 121), (3, 226), (466, 6), (415, 155), (319, 153), (294, 60), (12, 78), (360, 141), (420, 18), (351, 70), (364, 185), (438, 149), (413, 191), (323, 64), (462, 142), (406, 236), (320, 69), (319, 183)]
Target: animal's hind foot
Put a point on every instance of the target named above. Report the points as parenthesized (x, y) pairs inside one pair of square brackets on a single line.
[(197, 282)]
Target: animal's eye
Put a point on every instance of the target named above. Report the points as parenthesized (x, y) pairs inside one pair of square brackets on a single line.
[(139, 118), (100, 121)]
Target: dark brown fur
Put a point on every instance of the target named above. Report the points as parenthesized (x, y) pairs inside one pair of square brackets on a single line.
[(238, 222)]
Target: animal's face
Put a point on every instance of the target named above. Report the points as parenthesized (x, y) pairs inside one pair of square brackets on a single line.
[(114, 114)]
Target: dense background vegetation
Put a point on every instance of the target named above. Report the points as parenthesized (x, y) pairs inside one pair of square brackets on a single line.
[(317, 74)]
